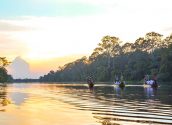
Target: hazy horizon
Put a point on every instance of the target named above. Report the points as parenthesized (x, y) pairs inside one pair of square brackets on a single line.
[(37, 68)]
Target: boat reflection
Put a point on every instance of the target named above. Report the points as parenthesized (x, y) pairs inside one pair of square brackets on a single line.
[(150, 92), (119, 91), (91, 89), (103, 104)]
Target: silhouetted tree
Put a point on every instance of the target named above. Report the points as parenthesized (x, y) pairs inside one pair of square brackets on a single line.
[(150, 54), (4, 77)]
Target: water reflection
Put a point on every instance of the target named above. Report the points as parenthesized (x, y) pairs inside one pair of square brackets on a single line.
[(3, 98), (119, 92), (18, 97), (131, 105), (3, 91), (150, 92), (47, 104)]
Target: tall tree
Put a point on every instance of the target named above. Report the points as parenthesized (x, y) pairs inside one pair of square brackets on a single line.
[(4, 77), (147, 55)]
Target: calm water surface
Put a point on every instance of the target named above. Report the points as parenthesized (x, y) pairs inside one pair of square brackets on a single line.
[(75, 104)]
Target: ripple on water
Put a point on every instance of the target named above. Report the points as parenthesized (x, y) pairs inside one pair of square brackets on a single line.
[(108, 105)]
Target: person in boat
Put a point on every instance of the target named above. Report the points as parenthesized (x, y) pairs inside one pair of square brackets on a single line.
[(152, 82), (90, 81), (117, 80), (122, 84), (146, 79), (154, 78)]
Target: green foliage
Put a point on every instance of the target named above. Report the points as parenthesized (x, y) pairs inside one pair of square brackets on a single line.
[(4, 77), (147, 55)]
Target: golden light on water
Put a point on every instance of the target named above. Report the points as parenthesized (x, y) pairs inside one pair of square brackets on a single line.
[(75, 104), (40, 107)]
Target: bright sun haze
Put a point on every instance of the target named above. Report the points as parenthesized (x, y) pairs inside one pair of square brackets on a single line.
[(50, 33)]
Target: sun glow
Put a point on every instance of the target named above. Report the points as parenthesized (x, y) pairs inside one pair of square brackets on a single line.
[(55, 37), (45, 30)]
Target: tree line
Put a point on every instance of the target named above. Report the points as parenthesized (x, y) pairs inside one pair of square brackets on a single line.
[(4, 77), (151, 54)]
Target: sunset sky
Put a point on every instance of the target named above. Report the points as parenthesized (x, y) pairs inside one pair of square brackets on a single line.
[(49, 33)]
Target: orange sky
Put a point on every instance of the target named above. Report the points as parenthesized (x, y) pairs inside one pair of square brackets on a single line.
[(40, 67), (44, 66)]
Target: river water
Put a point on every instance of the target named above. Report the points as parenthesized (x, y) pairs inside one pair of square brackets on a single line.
[(76, 104)]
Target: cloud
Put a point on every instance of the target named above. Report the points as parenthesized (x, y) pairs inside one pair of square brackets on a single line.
[(10, 27), (11, 47), (61, 36), (14, 25), (168, 29), (47, 29), (19, 68)]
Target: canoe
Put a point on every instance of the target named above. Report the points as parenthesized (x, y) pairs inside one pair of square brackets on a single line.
[(153, 85), (119, 84), (90, 85)]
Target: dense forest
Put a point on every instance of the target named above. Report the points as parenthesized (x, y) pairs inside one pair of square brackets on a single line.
[(151, 54), (4, 77)]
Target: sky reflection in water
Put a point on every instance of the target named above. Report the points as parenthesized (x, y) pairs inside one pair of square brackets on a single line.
[(66, 104)]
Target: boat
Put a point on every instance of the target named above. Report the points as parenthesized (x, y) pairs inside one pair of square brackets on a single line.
[(90, 82), (91, 85), (119, 84), (153, 86), (150, 83)]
